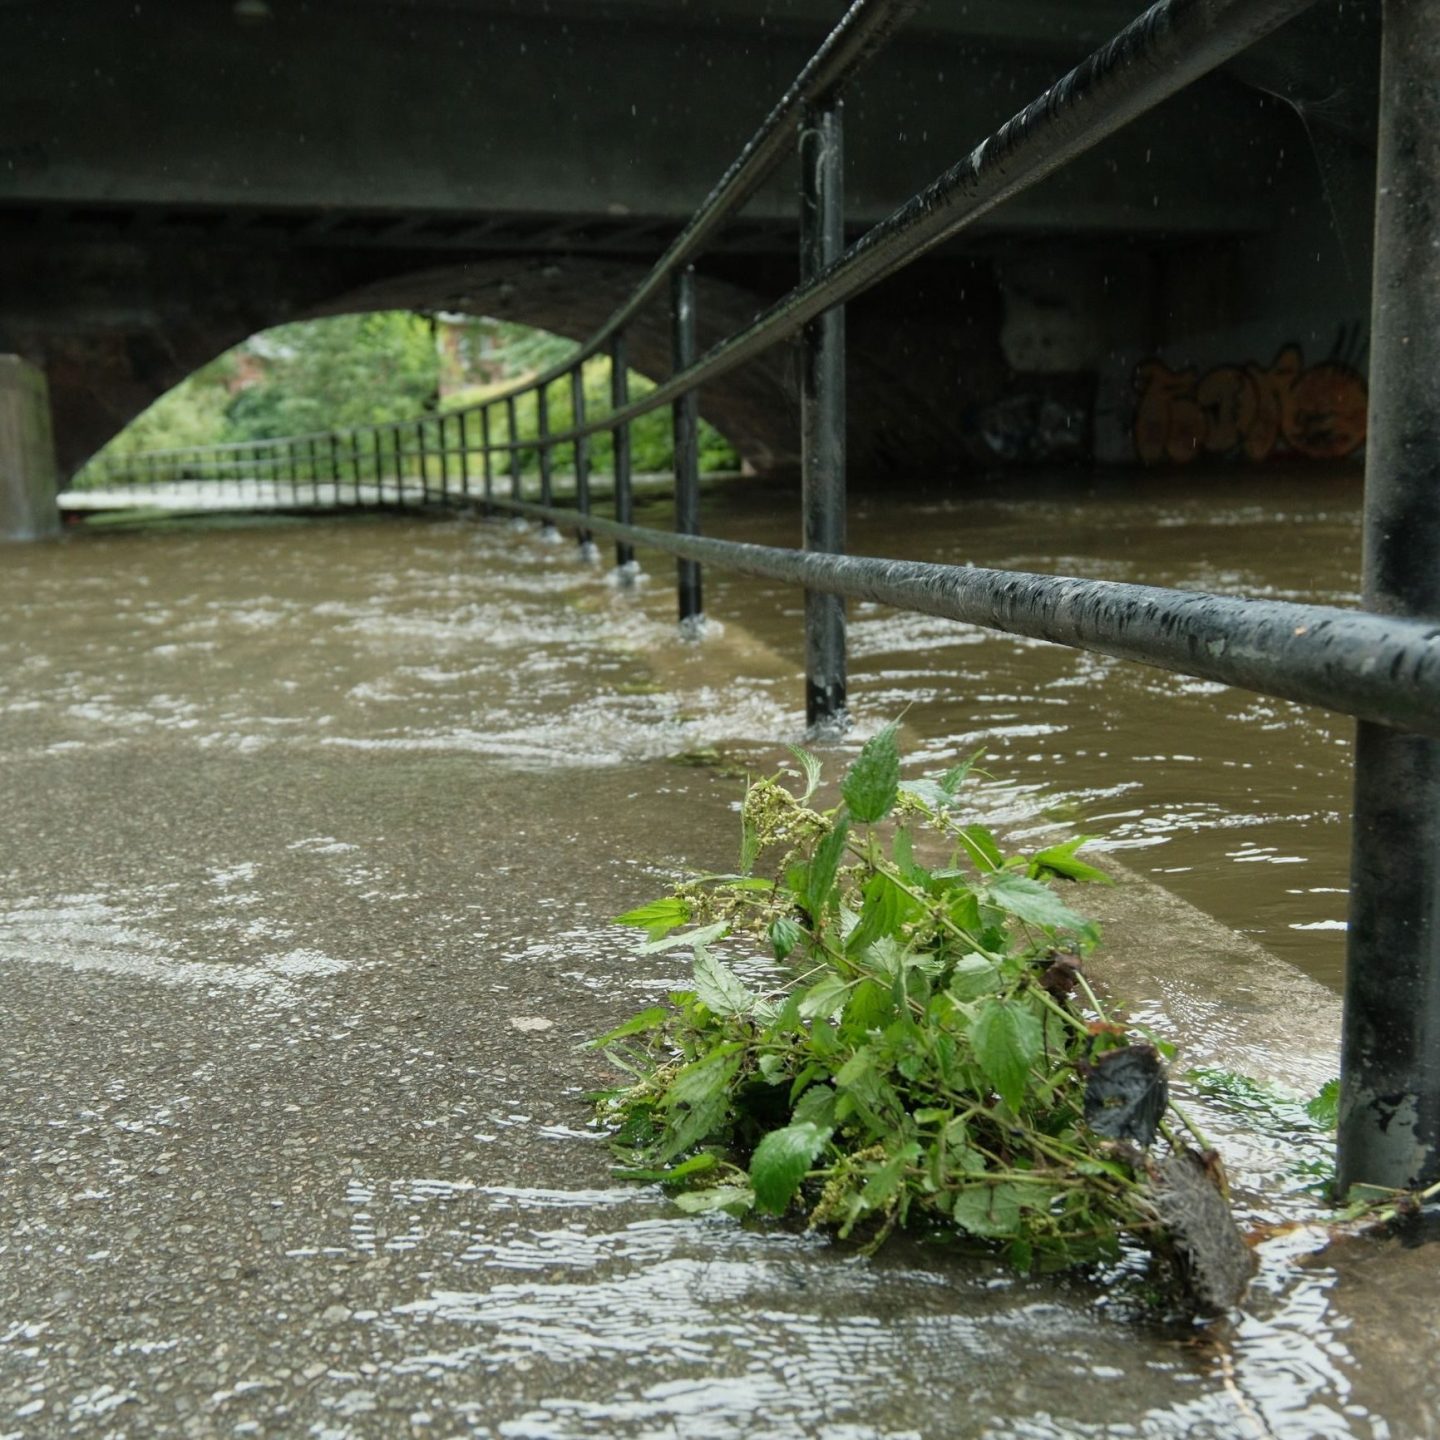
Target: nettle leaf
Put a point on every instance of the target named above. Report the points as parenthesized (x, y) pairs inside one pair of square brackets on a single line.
[(695, 1165), (781, 1160), (816, 1105), (785, 935), (704, 1079), (887, 957), (651, 1019), (787, 1018), (703, 936), (731, 1199), (868, 1008), (1032, 901), (984, 850), (821, 872), (1007, 1040), (886, 907), (688, 1127), (883, 1183), (902, 851), (811, 766), (933, 797), (1324, 1109), (1060, 860), (657, 917), (974, 976), (860, 1072), (956, 776), (872, 783), (825, 998), (991, 1211), (718, 988)]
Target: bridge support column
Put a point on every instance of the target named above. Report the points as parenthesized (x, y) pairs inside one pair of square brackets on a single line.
[(28, 480), (1390, 1061)]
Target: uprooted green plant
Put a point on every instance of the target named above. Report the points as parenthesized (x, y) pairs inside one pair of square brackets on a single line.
[(926, 1049)]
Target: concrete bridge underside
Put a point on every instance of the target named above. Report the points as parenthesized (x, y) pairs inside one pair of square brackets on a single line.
[(175, 177)]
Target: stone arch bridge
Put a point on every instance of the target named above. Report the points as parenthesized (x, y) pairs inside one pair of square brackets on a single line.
[(175, 177)]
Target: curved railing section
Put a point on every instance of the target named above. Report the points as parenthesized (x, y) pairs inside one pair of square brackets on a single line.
[(1381, 664)]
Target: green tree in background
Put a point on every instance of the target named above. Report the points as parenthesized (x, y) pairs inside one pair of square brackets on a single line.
[(319, 375), (331, 374)]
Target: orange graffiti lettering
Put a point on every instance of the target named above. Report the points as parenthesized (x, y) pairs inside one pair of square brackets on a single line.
[(1318, 412)]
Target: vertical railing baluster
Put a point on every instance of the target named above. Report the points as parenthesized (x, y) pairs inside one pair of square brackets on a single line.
[(334, 469), (485, 459), (620, 452), (355, 467), (398, 457), (547, 478), (685, 419), (422, 456), (1390, 1061), (465, 454), (515, 493), (822, 409), (582, 460), (443, 439)]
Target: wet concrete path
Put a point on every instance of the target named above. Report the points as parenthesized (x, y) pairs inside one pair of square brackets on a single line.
[(307, 865)]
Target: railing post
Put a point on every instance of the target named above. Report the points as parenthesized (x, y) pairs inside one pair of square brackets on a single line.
[(485, 453), (542, 430), (514, 449), (444, 442), (685, 419), (822, 408), (620, 451), (582, 459), (377, 459), (1390, 1059), (334, 468), (423, 459), (465, 453)]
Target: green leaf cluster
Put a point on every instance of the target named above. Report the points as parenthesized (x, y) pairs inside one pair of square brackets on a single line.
[(652, 447), (920, 1055), (312, 376)]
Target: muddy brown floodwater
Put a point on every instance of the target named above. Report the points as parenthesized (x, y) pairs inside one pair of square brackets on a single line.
[(312, 830)]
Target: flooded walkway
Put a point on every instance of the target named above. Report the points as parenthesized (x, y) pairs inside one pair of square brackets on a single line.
[(312, 833)]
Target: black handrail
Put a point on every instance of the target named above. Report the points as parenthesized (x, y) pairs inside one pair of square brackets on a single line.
[(1380, 668)]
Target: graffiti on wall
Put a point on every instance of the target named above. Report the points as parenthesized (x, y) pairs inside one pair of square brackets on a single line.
[(1316, 411)]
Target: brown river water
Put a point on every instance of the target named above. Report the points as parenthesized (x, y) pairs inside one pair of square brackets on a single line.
[(312, 833)]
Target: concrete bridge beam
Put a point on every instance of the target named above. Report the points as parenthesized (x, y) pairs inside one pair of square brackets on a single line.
[(27, 454)]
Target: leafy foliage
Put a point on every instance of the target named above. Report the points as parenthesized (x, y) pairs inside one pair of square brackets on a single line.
[(651, 436), (922, 1051), (317, 375)]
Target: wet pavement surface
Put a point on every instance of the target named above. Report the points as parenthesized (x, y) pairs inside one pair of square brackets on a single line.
[(312, 833)]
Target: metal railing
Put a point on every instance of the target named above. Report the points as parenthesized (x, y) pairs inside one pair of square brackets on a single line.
[(1381, 665)]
